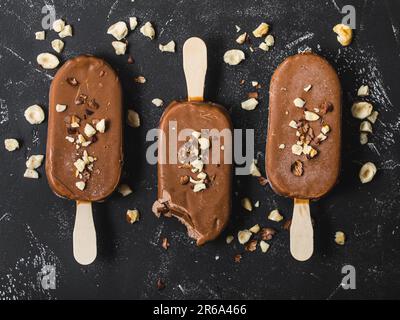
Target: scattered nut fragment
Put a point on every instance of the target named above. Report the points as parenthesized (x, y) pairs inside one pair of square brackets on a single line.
[(270, 40), (119, 47), (251, 246), (66, 32), (140, 79), (133, 119), (47, 61), (254, 83), (255, 229), (246, 204), (363, 91), (204, 143), (234, 57), (199, 187), (133, 22), (183, 180), (299, 103), (157, 102), (366, 126), (373, 117), (118, 30), (148, 31), (89, 130), (264, 246), (293, 124), (244, 236), (345, 34), (263, 46), (229, 239), (274, 215), (312, 153), (34, 114), (61, 107), (169, 47), (257, 204), (58, 25), (311, 116), (132, 216), (254, 171), (307, 88), (124, 190), (297, 168), (34, 161), (40, 35), (321, 137), (101, 126), (267, 233), (242, 38), (367, 172), (80, 165), (57, 45), (281, 146), (165, 244), (31, 174), (325, 129), (363, 138), (81, 185), (249, 104), (237, 28), (361, 110), (297, 150), (11, 144), (340, 238), (261, 30)]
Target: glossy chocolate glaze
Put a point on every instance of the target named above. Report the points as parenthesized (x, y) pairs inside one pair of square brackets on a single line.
[(204, 213), (98, 81), (287, 83)]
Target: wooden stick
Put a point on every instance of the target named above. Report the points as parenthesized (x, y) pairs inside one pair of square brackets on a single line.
[(84, 236), (301, 231), (195, 67)]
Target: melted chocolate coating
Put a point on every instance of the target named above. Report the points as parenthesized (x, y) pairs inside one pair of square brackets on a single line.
[(287, 83), (204, 213), (93, 78)]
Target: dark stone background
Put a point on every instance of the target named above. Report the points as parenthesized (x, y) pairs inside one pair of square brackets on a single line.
[(36, 226)]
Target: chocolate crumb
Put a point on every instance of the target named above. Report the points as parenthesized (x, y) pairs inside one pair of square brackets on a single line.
[(93, 139), (72, 82), (297, 168), (72, 130), (267, 233), (81, 99), (241, 82), (262, 181), (237, 258), (251, 245), (89, 112), (253, 95), (326, 107), (130, 60), (165, 243), (184, 180), (160, 284), (93, 104)]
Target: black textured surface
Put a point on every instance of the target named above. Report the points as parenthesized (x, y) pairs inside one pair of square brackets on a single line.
[(36, 226)]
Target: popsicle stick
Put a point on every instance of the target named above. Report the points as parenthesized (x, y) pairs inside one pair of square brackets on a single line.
[(195, 67), (301, 231), (84, 236)]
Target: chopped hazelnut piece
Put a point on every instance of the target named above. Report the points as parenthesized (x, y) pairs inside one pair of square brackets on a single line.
[(363, 138), (204, 143), (274, 215), (148, 31), (345, 34), (270, 40), (311, 116), (133, 119), (199, 187), (234, 57), (47, 61), (61, 107), (140, 79), (299, 103), (40, 35), (361, 110), (297, 149), (169, 47), (66, 32), (307, 88), (340, 238), (70, 139), (366, 126), (133, 22), (132, 216), (57, 45), (229, 239), (246, 204), (254, 171), (34, 161), (297, 168), (264, 246), (80, 185), (249, 104), (244, 236), (101, 126), (257, 204), (293, 124), (58, 25), (367, 172), (254, 83), (242, 38), (263, 46), (118, 30), (157, 102), (119, 47), (255, 229), (363, 91), (34, 114), (31, 174), (124, 190), (321, 137), (80, 165), (325, 129), (11, 144), (261, 30), (373, 117), (312, 153), (89, 130), (281, 146)]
